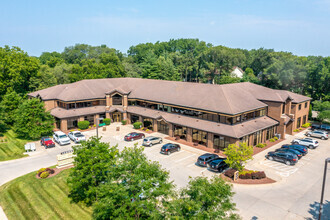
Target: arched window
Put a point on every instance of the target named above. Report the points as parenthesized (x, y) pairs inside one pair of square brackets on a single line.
[(117, 99)]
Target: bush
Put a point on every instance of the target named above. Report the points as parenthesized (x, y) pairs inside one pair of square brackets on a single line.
[(89, 127), (295, 130), (44, 175), (50, 171), (250, 174), (107, 121), (272, 140), (94, 126), (147, 130), (276, 138), (124, 122), (260, 145), (137, 125), (306, 125), (41, 170), (83, 125), (230, 173)]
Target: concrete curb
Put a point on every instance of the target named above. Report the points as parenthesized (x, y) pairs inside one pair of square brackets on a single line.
[(2, 214)]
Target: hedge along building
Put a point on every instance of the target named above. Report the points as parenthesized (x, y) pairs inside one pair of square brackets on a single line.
[(212, 115)]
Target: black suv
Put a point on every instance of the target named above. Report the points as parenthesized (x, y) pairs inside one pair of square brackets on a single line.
[(293, 151), (287, 158), (325, 127), (218, 165), (315, 127), (170, 148), (205, 158), (300, 148)]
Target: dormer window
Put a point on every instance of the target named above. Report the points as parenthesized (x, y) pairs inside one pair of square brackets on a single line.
[(117, 99)]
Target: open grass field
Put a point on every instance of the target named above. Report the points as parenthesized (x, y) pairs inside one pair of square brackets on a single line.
[(13, 148), (29, 198)]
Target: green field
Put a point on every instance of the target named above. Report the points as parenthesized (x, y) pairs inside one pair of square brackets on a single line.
[(29, 198), (13, 148)]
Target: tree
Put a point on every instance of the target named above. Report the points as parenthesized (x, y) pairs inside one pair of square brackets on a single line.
[(92, 162), (135, 188), (16, 70), (203, 199), (9, 105), (32, 120), (324, 116), (44, 79), (237, 155)]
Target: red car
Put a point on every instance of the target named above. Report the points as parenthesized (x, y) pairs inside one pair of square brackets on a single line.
[(47, 142), (134, 136)]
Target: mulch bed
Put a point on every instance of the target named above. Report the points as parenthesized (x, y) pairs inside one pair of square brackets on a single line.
[(57, 171), (248, 181), (148, 132), (269, 144)]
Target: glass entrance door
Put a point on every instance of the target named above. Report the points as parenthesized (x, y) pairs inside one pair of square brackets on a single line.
[(116, 117)]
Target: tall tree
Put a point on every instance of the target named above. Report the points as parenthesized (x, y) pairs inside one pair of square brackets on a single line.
[(9, 105), (32, 120)]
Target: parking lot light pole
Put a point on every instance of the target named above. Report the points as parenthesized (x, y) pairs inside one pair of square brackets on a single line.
[(97, 126), (323, 185)]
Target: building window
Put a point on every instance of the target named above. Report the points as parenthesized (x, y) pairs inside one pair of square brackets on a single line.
[(89, 118), (299, 107), (163, 127), (304, 119), (220, 142), (180, 132), (257, 137), (200, 137), (117, 100), (283, 108), (72, 123), (305, 104), (299, 122), (147, 123)]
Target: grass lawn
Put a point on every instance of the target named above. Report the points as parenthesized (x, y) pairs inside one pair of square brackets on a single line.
[(13, 148), (29, 198)]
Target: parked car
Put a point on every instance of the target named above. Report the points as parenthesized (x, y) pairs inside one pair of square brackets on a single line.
[(76, 136), (316, 133), (61, 138), (308, 142), (315, 126), (205, 158), (293, 151), (217, 165), (149, 141), (47, 142), (300, 148), (325, 127), (134, 136), (169, 148), (285, 157)]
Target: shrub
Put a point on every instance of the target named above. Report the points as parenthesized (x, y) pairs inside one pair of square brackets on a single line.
[(50, 171), (272, 140), (230, 173), (306, 125), (276, 138), (94, 126), (41, 170), (89, 127), (250, 174), (107, 121), (71, 130), (124, 122), (44, 175), (300, 129), (295, 130), (261, 175), (260, 145), (137, 125), (83, 125), (147, 130)]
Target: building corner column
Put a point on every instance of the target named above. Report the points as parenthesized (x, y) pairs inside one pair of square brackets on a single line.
[(64, 125)]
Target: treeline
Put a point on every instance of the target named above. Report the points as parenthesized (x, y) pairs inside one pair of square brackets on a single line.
[(181, 60)]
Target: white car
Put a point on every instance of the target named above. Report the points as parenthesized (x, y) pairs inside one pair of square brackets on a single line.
[(76, 136), (307, 142), (61, 138)]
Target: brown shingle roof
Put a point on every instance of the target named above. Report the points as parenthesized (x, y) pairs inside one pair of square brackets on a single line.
[(63, 113), (235, 131), (228, 98)]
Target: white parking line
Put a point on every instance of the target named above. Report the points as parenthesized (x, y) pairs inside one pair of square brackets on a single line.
[(184, 158), (193, 164), (203, 170)]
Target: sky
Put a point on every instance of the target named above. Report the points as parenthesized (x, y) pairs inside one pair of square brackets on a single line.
[(298, 26)]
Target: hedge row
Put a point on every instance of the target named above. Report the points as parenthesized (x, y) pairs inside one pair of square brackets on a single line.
[(83, 125)]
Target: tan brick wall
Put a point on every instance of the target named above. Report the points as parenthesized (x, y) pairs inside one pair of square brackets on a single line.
[(170, 130), (108, 100), (129, 118), (300, 113), (210, 137), (288, 107), (274, 109), (155, 125), (125, 101), (64, 125), (189, 134), (50, 104)]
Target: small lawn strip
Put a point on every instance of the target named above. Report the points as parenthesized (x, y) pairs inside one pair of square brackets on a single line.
[(30, 198)]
